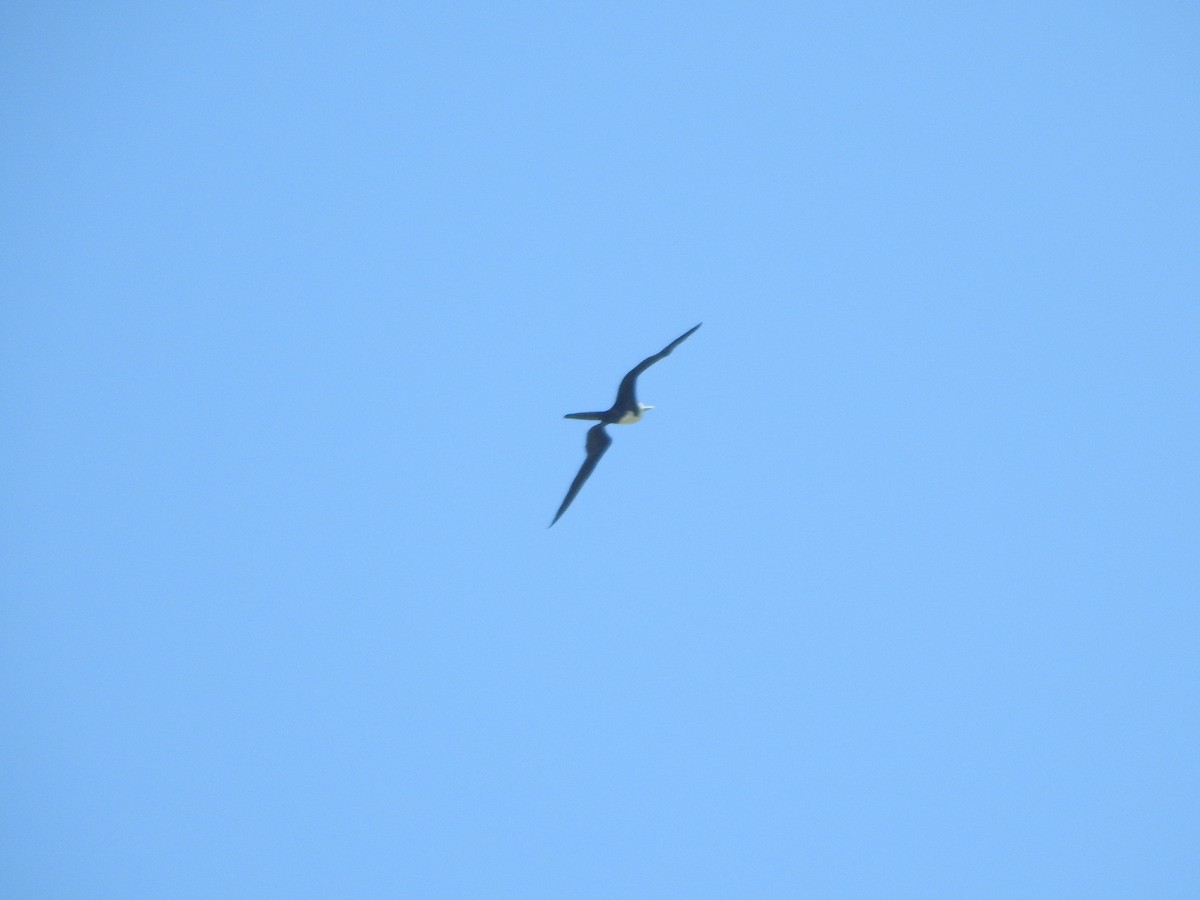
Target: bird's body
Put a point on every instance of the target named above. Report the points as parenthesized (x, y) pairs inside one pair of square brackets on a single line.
[(625, 411), (613, 416)]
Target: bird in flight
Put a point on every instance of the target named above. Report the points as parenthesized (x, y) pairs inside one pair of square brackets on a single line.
[(624, 411)]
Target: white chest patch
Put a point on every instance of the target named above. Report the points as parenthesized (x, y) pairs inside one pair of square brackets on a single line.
[(630, 417)]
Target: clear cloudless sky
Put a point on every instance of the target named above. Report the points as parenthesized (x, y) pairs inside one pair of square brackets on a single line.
[(894, 594)]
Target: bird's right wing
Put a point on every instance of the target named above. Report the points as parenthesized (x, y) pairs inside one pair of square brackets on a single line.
[(597, 442), (625, 393)]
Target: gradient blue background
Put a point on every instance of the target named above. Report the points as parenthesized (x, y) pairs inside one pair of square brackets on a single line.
[(895, 594)]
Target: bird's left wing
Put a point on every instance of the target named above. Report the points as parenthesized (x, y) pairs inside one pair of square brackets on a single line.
[(597, 442)]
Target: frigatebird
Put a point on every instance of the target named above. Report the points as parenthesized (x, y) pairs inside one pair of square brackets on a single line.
[(624, 411)]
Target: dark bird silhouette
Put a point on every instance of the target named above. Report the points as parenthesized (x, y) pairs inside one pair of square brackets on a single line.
[(625, 411)]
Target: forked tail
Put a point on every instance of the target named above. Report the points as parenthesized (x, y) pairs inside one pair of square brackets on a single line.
[(592, 416)]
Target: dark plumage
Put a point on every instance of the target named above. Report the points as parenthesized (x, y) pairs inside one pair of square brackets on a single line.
[(625, 411)]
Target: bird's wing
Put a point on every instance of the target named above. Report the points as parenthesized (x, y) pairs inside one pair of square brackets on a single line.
[(625, 393), (597, 442)]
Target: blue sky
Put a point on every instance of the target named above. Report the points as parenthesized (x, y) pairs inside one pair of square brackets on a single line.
[(894, 594)]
